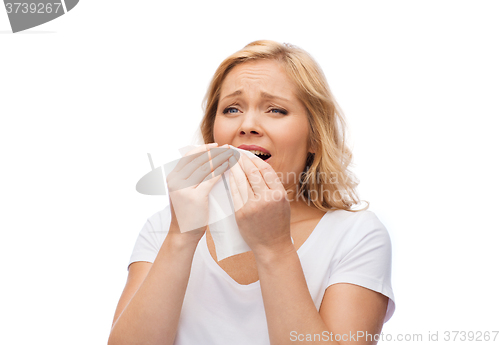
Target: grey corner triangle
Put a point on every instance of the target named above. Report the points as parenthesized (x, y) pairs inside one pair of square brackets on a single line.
[(70, 4), (27, 14)]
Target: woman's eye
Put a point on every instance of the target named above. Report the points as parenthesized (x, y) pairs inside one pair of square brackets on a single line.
[(230, 110), (278, 111)]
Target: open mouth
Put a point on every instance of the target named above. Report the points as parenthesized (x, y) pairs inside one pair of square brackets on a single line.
[(260, 154), (259, 151), (263, 156)]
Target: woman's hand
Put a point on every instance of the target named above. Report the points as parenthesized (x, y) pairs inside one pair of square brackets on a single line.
[(189, 185), (262, 209)]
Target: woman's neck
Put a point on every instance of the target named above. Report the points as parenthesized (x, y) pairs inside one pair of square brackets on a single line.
[(300, 210)]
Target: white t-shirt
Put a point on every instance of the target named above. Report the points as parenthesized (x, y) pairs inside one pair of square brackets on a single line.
[(345, 247)]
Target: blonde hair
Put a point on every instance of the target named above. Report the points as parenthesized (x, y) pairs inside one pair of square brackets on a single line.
[(326, 123)]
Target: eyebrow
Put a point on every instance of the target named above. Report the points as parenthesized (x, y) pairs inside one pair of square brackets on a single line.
[(263, 94), (235, 93), (269, 96)]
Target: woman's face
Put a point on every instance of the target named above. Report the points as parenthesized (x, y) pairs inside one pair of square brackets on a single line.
[(258, 106)]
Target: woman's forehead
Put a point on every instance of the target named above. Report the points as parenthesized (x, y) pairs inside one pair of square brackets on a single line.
[(265, 77)]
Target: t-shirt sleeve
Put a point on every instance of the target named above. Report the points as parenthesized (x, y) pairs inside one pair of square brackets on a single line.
[(151, 237), (367, 261)]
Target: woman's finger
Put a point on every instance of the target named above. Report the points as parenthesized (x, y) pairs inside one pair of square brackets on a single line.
[(207, 169), (209, 181), (204, 160), (253, 174), (193, 154), (270, 177)]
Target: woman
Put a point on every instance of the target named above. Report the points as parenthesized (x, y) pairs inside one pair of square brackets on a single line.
[(317, 270)]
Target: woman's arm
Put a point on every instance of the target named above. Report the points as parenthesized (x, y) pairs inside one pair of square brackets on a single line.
[(136, 274), (263, 216), (349, 313), (152, 315)]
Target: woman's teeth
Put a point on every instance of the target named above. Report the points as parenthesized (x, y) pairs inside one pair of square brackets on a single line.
[(260, 154), (255, 152)]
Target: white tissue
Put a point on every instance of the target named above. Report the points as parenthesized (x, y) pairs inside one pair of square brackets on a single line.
[(221, 220)]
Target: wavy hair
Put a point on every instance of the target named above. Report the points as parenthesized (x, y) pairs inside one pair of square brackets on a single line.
[(326, 181)]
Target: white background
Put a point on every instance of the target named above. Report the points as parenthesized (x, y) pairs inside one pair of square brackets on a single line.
[(84, 98)]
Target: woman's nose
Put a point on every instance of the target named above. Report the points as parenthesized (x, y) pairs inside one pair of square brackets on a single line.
[(250, 125), (249, 131)]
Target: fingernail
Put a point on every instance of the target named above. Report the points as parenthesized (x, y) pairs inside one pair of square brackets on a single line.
[(213, 144)]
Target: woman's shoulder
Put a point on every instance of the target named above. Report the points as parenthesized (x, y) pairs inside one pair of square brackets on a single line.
[(159, 223), (163, 216), (354, 224), (351, 218)]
